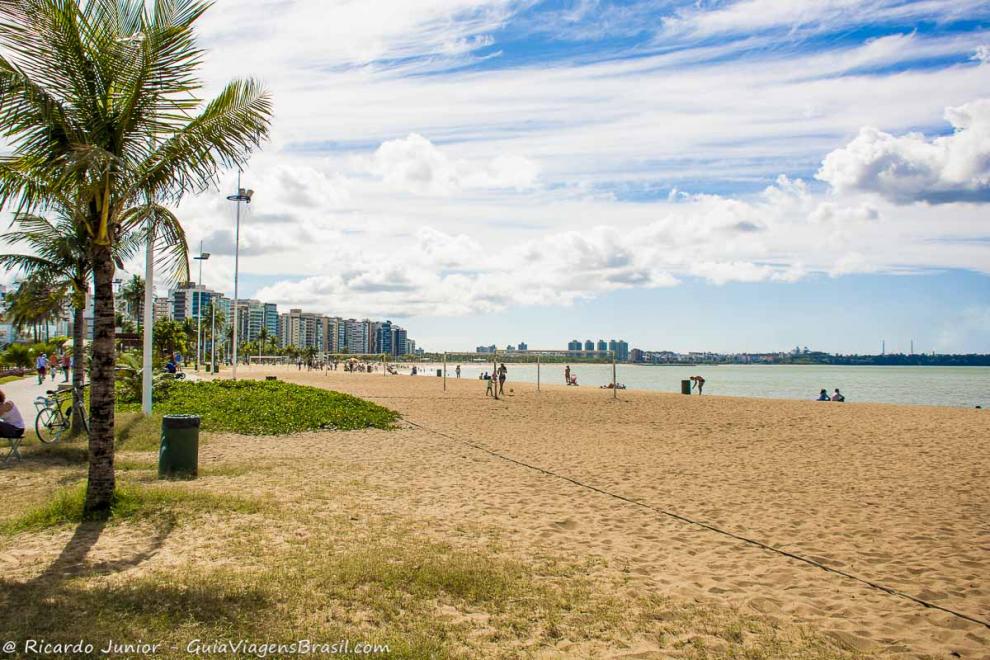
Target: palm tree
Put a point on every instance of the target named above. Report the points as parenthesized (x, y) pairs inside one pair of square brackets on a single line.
[(98, 105), (262, 340), (132, 294), (212, 318), (37, 301)]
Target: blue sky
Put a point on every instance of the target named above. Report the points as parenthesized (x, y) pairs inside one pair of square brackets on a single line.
[(724, 175)]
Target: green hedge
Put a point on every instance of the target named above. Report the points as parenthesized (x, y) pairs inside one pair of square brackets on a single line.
[(267, 407)]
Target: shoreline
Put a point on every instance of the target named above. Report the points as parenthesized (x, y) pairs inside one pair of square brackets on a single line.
[(860, 385)]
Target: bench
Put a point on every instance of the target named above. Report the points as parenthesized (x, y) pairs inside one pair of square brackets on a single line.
[(12, 451)]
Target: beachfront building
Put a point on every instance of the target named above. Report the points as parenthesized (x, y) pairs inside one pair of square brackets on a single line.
[(589, 345), (523, 347), (602, 346), (300, 329), (187, 299), (162, 309), (574, 345), (619, 348), (355, 336)]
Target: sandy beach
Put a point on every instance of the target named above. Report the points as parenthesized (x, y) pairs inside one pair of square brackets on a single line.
[(895, 495)]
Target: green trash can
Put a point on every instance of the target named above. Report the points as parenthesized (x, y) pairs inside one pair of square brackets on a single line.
[(686, 387), (179, 452)]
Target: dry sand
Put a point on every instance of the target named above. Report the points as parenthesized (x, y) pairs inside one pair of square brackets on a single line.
[(897, 495), (894, 494)]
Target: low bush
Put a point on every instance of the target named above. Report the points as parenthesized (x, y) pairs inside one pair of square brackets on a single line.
[(268, 407)]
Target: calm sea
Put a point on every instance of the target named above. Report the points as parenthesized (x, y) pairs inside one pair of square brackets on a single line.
[(939, 386)]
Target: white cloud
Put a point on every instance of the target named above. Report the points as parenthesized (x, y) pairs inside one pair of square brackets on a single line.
[(911, 167), (415, 164), (968, 332)]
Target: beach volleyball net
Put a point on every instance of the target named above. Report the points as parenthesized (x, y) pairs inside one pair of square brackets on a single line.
[(541, 367)]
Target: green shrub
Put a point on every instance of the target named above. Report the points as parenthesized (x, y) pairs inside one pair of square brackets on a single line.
[(268, 407)]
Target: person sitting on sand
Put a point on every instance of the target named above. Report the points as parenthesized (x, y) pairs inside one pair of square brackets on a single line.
[(837, 396), (573, 380), (823, 395), (11, 422)]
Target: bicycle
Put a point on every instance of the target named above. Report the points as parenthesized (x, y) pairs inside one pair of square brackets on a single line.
[(55, 413)]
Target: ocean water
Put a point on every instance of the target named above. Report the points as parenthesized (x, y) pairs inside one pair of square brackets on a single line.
[(938, 386)]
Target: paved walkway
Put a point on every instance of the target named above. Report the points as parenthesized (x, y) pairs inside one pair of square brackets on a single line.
[(23, 393)]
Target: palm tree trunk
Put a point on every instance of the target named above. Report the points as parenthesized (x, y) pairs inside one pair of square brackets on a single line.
[(78, 359), (99, 493)]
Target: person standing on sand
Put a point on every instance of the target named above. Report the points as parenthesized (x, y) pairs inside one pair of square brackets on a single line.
[(490, 385), (699, 383), (567, 375), (458, 371), (502, 372)]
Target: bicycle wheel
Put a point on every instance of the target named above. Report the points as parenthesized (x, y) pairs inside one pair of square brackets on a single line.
[(49, 425)]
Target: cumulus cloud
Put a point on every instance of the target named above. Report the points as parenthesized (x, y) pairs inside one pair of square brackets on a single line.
[(910, 168), (416, 165)]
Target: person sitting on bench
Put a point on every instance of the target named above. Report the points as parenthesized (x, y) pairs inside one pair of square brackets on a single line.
[(11, 425), (11, 422)]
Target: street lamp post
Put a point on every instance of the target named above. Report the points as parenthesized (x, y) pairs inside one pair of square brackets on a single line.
[(241, 196), (203, 256)]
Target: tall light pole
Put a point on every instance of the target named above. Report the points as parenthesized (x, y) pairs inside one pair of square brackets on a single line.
[(149, 304), (203, 256), (149, 289), (241, 196)]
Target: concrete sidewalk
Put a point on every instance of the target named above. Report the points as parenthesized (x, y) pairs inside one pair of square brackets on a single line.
[(23, 393)]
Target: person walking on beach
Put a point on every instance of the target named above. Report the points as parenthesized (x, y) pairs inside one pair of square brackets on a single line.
[(699, 383), (41, 364), (502, 372), (458, 371)]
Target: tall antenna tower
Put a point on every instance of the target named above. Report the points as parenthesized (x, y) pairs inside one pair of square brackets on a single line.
[(883, 347)]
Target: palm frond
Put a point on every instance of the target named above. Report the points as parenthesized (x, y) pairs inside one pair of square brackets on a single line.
[(231, 126)]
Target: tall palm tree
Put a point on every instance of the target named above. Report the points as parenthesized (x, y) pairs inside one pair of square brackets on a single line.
[(98, 103)]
